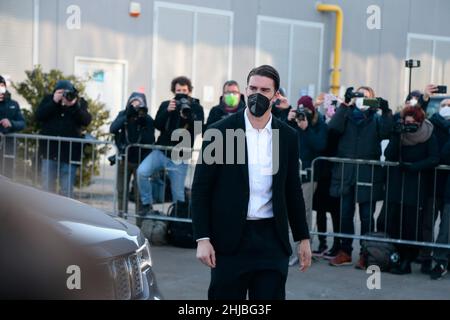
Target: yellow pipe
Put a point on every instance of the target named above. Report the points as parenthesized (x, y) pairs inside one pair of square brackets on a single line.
[(336, 73)]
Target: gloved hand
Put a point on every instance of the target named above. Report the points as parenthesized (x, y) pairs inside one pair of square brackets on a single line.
[(131, 112), (348, 95), (384, 104)]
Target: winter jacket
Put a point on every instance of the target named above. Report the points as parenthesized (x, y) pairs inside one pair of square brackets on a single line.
[(59, 121)]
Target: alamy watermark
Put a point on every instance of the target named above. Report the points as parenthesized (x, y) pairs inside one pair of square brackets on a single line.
[(73, 21), (74, 280), (374, 280), (373, 21), (228, 148)]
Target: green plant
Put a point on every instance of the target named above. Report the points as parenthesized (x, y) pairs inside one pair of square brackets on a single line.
[(36, 86)]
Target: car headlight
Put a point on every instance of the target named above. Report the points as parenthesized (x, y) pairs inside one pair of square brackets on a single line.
[(144, 256)]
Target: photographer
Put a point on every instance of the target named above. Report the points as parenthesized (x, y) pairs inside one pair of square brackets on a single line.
[(231, 101), (281, 106), (132, 126), (416, 98), (11, 120), (441, 123), (360, 131), (312, 140), (177, 113), (415, 147), (61, 114)]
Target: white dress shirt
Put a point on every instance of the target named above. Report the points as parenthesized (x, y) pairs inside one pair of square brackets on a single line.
[(259, 152)]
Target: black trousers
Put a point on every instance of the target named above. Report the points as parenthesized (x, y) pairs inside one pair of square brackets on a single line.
[(258, 270)]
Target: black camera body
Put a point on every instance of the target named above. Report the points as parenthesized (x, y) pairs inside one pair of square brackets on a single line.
[(356, 94), (276, 103), (183, 103), (300, 113), (70, 95)]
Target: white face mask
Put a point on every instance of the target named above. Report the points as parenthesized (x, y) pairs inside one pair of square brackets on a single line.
[(2, 90), (445, 113), (413, 102), (360, 104)]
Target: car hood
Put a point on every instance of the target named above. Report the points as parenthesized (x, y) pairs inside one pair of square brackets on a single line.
[(78, 223)]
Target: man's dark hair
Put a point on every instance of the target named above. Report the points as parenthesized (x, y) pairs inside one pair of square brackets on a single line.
[(266, 71), (182, 81), (230, 83)]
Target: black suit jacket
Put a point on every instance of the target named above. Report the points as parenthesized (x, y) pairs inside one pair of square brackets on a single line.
[(220, 192)]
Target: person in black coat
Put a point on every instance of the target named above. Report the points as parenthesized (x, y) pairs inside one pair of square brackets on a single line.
[(132, 126), (435, 193), (441, 122), (416, 148), (361, 130), (231, 101), (61, 114), (312, 132), (281, 106), (11, 120), (181, 112), (243, 236)]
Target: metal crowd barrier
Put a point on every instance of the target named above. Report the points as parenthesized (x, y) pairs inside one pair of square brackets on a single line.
[(159, 181), (383, 204), (21, 157)]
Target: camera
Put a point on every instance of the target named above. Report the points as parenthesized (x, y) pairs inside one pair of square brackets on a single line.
[(441, 89), (112, 160), (356, 94), (412, 63), (277, 103), (70, 95), (300, 113), (183, 103)]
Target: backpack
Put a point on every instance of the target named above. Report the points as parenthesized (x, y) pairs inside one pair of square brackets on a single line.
[(155, 231), (378, 253), (180, 234)]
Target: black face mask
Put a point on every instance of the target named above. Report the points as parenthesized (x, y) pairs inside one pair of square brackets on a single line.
[(410, 127), (258, 104)]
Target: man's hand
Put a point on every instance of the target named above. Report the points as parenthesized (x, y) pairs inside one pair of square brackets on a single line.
[(319, 100), (291, 115), (429, 91), (302, 124), (58, 95), (284, 103), (172, 106), (304, 254), (5, 123), (206, 253)]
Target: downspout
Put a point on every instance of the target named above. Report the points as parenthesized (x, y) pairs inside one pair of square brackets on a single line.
[(336, 72)]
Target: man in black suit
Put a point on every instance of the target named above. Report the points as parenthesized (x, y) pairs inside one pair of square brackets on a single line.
[(242, 209)]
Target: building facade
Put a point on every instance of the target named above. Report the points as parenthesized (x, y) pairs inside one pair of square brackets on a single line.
[(212, 41)]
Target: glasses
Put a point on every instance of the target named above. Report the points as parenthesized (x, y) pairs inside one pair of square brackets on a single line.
[(445, 105)]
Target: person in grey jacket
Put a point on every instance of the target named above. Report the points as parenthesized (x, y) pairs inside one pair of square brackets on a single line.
[(361, 130)]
